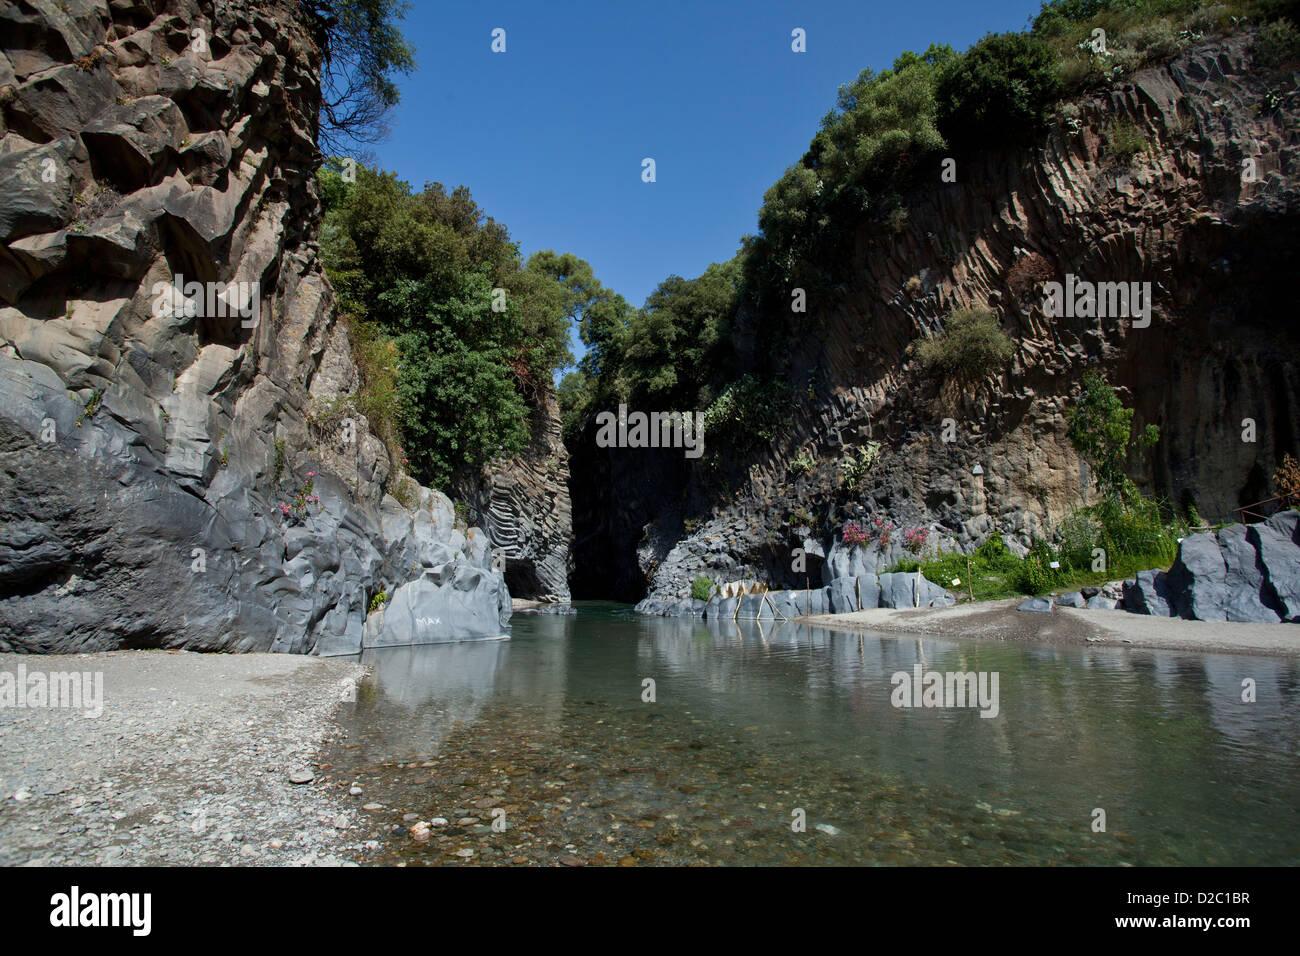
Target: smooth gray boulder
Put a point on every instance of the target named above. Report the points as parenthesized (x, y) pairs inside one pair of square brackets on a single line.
[(1197, 579), (904, 589), (843, 595), (1244, 583), (1071, 599), (1099, 602), (452, 602), (786, 604), (755, 607), (1148, 593), (1040, 605), (1278, 543)]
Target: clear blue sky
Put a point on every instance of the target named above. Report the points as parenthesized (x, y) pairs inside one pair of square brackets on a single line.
[(549, 136)]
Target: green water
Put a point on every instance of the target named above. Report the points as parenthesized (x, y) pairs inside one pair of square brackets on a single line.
[(751, 725)]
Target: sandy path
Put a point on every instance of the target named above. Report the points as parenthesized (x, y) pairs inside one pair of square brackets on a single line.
[(1000, 621)]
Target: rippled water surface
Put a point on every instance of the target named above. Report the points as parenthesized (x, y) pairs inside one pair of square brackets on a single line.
[(548, 734)]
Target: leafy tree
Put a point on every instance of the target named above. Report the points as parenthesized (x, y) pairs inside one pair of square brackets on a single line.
[(677, 333), (477, 333), (1101, 430), (362, 49), (1000, 86), (456, 393)]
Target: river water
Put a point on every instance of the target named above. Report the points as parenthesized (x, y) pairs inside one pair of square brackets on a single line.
[(543, 750)]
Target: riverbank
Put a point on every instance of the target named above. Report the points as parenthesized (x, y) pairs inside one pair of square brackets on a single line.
[(189, 762), (1000, 621)]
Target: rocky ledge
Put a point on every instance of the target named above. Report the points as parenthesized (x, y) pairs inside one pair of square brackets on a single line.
[(182, 463)]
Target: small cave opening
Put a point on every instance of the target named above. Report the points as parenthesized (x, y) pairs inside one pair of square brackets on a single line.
[(522, 580)]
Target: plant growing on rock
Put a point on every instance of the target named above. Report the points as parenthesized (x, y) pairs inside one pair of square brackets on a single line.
[(1101, 430), (971, 345), (701, 589), (914, 539), (377, 602), (881, 528), (92, 405), (854, 534), (277, 469), (853, 468), (1126, 141), (1027, 273), (803, 463), (1287, 481), (299, 509), (1277, 43)]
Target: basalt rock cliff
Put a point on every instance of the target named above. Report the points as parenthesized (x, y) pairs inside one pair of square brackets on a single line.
[(1208, 213), (167, 338)]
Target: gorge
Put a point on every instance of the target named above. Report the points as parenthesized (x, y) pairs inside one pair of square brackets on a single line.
[(186, 476)]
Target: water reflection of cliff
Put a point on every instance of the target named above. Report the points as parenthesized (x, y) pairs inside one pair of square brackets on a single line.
[(416, 696), (1085, 717)]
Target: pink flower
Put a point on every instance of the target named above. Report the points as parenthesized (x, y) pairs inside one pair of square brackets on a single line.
[(311, 474)]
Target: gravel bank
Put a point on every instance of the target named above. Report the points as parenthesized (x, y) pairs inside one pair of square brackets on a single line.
[(1000, 621), (189, 763)]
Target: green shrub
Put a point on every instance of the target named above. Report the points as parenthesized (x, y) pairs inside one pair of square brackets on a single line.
[(377, 602), (853, 468), (1101, 430), (971, 344), (803, 463), (701, 589), (1277, 43), (747, 412), (1035, 574), (1125, 141), (1001, 86)]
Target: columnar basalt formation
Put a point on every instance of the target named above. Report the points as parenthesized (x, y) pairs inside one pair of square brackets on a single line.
[(168, 341), (1217, 369), (523, 504)]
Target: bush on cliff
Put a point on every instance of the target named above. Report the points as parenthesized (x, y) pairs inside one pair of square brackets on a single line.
[(455, 335), (1101, 430), (971, 345), (1001, 86)]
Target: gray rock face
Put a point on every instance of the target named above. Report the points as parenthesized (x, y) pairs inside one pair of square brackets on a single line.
[(165, 476), (905, 589), (1197, 579), (843, 595), (452, 602), (525, 509), (1244, 585), (1246, 573), (860, 560), (1148, 593), (1277, 541), (755, 607)]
